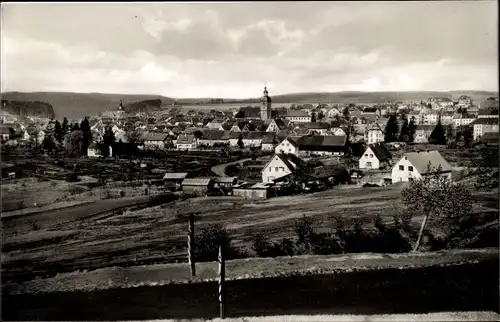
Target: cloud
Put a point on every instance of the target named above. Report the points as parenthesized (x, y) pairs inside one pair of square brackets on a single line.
[(231, 49)]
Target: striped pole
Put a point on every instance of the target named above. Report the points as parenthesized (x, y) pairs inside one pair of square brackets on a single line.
[(222, 273), (192, 264)]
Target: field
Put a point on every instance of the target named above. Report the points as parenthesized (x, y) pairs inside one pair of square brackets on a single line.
[(157, 234)]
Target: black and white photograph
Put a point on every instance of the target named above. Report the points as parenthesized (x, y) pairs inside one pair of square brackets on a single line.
[(250, 161)]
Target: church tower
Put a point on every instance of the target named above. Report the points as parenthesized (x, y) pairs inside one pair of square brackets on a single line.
[(265, 107)]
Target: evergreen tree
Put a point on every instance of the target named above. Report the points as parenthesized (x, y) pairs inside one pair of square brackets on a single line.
[(64, 127), (240, 141), (58, 135), (404, 135), (412, 127), (108, 139), (345, 112), (313, 117), (391, 129), (87, 135), (438, 135), (48, 144)]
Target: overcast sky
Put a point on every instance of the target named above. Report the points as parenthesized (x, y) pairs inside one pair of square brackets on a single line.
[(232, 49)]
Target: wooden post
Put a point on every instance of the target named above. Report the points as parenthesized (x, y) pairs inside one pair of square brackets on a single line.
[(192, 264), (222, 273)]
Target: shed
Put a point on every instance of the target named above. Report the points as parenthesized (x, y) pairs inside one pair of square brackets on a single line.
[(227, 182), (173, 181), (256, 191), (198, 185)]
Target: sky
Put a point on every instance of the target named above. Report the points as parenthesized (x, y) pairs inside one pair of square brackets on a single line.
[(231, 50)]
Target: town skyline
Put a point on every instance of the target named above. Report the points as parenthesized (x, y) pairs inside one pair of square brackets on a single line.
[(231, 50)]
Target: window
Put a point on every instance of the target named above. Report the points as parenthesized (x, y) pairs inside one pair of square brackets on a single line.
[(290, 150), (371, 155), (270, 169), (368, 164), (410, 168), (282, 169), (276, 169), (401, 168), (366, 155)]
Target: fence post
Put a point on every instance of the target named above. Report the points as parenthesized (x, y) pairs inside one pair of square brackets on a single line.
[(191, 245), (222, 287)]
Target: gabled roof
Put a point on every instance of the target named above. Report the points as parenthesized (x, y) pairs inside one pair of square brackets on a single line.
[(185, 138), (252, 135), (154, 137), (249, 111), (380, 152), (212, 135), (490, 137), (314, 125), (226, 179), (485, 121), (321, 141), (373, 127), (175, 176), (196, 181), (420, 160), (293, 113), (290, 160), (269, 139), (487, 111), (292, 141)]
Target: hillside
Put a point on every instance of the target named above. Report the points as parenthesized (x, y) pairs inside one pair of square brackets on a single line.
[(28, 108), (74, 105), (376, 97)]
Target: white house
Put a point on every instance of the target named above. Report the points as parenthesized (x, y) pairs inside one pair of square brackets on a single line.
[(276, 125), (186, 142), (154, 141), (288, 146), (279, 166), (338, 131), (375, 157), (413, 165), (484, 125), (461, 119), (374, 134), (298, 116)]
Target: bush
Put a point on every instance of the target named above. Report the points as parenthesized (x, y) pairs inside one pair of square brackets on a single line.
[(207, 245), (122, 193), (72, 177)]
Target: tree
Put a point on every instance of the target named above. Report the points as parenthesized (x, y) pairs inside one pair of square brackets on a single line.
[(75, 127), (58, 132), (437, 197), (74, 142), (438, 135), (404, 135), (321, 116), (87, 135), (345, 112), (48, 144), (133, 136), (412, 128), (391, 129), (240, 141), (64, 127), (108, 140), (313, 117), (486, 169)]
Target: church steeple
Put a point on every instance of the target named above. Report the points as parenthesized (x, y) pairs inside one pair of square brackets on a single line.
[(265, 108)]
